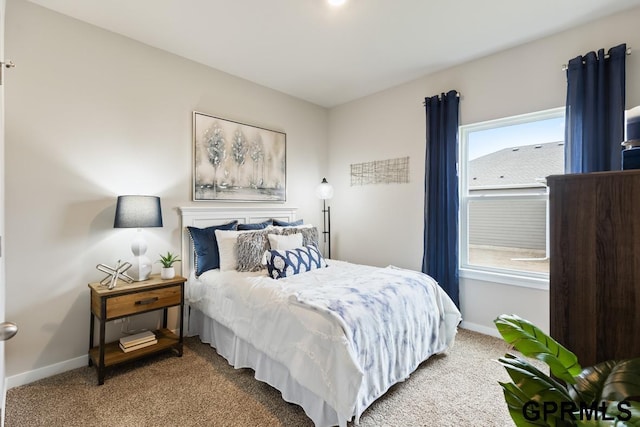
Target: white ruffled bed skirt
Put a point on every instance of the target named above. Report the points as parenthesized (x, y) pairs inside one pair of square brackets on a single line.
[(241, 354)]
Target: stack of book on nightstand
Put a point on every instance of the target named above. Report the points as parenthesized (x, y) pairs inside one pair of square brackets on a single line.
[(137, 341)]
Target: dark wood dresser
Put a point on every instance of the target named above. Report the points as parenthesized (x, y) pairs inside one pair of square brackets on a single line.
[(594, 276)]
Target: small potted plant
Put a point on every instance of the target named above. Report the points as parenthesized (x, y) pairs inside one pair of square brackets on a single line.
[(167, 261)]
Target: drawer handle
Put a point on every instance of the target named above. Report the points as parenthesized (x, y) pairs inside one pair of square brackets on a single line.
[(147, 301)]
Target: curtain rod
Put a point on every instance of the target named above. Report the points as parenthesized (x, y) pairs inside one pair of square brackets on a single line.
[(457, 96), (565, 66)]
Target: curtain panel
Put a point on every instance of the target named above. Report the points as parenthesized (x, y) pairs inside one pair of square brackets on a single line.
[(594, 120), (440, 257)]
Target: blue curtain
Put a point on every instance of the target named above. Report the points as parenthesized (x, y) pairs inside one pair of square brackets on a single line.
[(440, 258), (594, 121)]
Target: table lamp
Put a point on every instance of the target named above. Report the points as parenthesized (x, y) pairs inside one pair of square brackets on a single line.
[(138, 212)]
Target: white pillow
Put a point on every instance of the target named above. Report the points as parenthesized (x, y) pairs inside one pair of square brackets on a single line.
[(228, 248), (284, 243)]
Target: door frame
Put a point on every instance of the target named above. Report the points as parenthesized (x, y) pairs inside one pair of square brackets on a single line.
[(3, 377)]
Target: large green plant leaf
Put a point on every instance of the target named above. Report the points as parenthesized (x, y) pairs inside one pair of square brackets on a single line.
[(534, 383), (531, 385), (516, 401), (532, 342), (610, 381)]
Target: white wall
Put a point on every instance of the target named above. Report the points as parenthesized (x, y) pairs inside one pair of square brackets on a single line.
[(91, 115), (383, 224)]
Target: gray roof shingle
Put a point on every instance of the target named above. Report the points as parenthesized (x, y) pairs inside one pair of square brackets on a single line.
[(517, 166)]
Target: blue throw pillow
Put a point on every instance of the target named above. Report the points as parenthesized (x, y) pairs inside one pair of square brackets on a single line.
[(205, 246), (281, 263), (279, 223), (255, 226)]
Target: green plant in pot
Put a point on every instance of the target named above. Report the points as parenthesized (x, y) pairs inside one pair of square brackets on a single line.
[(168, 271), (607, 394)]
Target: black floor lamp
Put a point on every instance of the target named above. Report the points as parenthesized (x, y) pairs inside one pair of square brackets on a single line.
[(324, 191)]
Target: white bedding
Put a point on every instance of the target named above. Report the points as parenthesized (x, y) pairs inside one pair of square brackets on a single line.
[(347, 360)]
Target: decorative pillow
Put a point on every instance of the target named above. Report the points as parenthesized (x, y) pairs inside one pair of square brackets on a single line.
[(284, 242), (228, 248), (294, 261), (255, 226), (205, 246), (309, 234), (251, 249), (279, 223)]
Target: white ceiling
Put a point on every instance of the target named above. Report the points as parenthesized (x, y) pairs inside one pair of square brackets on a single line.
[(329, 55)]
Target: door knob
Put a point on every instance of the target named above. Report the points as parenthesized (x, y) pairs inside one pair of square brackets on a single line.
[(7, 330)]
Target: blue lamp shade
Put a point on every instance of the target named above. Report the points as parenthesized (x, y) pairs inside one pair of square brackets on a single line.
[(138, 212)]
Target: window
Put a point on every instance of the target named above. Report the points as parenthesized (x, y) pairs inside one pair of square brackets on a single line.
[(503, 193)]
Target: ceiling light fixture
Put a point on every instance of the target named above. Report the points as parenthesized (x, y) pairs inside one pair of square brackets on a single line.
[(336, 2)]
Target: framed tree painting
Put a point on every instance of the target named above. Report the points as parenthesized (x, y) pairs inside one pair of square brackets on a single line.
[(237, 162)]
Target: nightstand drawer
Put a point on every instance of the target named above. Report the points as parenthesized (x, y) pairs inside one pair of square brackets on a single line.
[(143, 301)]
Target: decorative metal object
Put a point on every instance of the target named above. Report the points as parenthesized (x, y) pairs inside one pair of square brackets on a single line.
[(115, 273)]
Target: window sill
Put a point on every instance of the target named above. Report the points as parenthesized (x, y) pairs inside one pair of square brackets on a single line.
[(505, 278)]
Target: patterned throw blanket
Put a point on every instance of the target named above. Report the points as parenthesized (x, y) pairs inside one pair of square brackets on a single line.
[(393, 319)]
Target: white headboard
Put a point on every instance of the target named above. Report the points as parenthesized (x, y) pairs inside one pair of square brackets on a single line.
[(205, 216)]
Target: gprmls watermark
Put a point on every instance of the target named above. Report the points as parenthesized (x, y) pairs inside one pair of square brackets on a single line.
[(535, 411)]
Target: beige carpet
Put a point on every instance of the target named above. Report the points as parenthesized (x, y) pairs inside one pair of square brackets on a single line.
[(200, 389)]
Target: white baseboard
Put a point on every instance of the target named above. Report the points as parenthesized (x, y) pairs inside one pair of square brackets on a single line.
[(481, 329), (46, 371)]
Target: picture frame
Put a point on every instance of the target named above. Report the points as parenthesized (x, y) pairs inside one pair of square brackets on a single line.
[(234, 161)]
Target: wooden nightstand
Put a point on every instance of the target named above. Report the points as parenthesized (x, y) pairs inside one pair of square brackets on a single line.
[(127, 300)]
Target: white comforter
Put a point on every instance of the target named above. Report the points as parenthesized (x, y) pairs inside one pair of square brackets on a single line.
[(347, 332)]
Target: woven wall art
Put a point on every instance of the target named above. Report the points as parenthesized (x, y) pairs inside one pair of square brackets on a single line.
[(390, 171)]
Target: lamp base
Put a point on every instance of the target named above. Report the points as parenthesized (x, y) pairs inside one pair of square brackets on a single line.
[(140, 268), (141, 264)]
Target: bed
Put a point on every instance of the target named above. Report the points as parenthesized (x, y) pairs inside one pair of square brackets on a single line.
[(332, 339)]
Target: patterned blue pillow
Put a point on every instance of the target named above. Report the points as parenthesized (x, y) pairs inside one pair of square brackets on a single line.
[(205, 246), (281, 263)]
